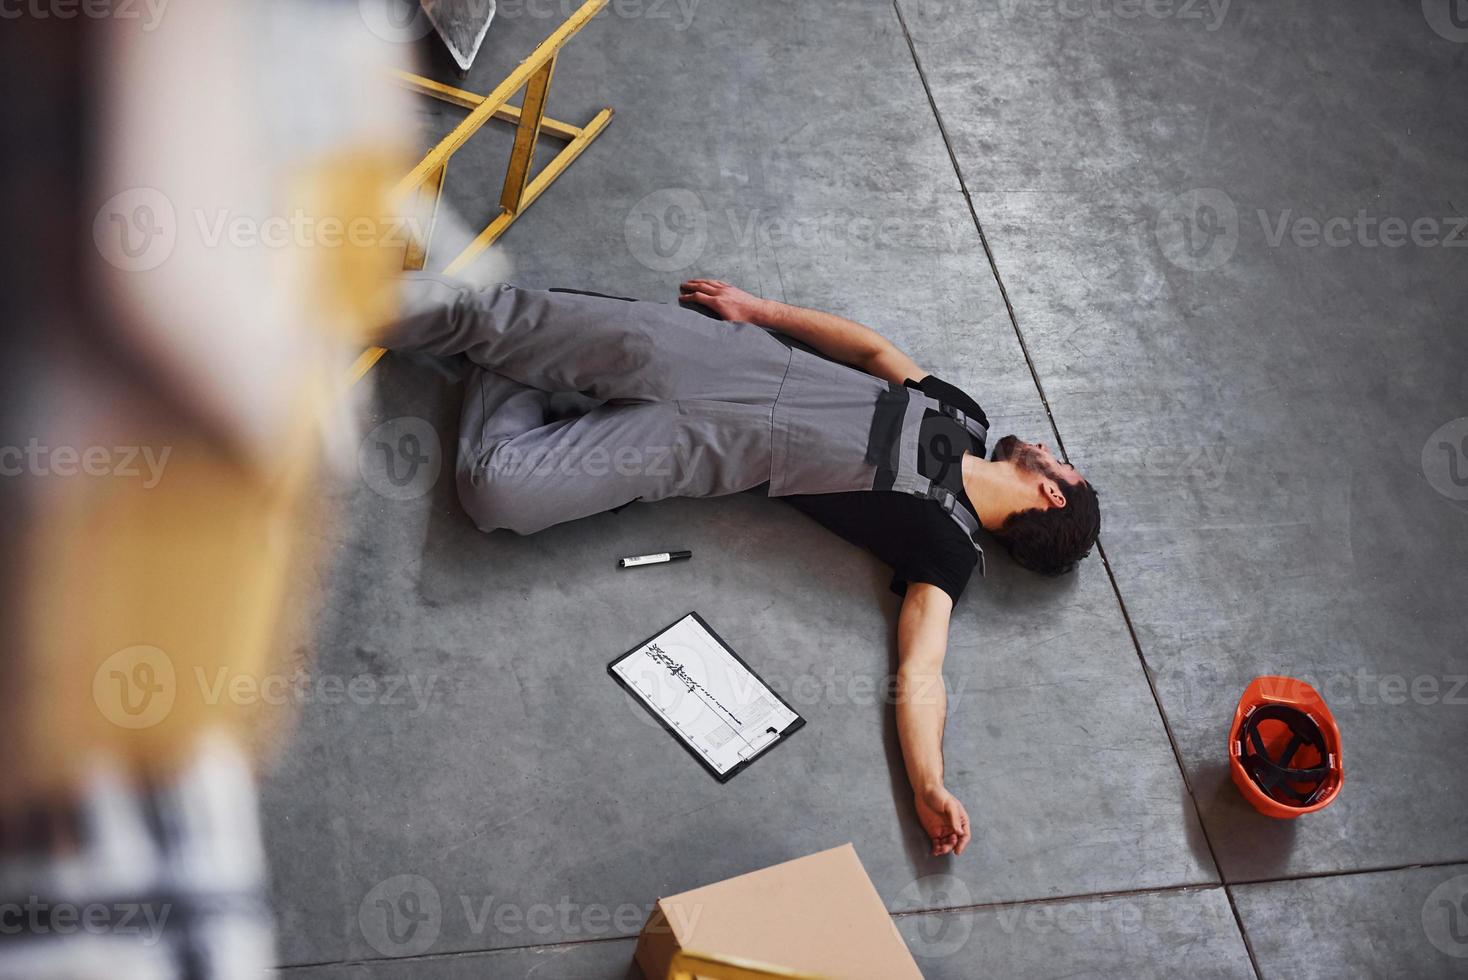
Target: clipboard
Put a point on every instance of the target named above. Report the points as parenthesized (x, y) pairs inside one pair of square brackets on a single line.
[(704, 694)]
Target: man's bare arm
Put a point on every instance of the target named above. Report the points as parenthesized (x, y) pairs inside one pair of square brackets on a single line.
[(922, 706), (834, 336)]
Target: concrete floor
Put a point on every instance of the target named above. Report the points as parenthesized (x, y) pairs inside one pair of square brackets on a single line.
[(1261, 411)]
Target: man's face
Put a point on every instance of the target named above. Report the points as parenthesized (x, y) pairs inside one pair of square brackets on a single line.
[(1034, 457)]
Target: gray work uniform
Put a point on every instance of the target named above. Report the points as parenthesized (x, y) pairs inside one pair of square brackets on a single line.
[(684, 406)]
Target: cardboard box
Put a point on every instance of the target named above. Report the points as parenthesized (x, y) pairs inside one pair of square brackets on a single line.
[(818, 914)]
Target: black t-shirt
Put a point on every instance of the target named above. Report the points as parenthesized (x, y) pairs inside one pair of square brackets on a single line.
[(910, 533)]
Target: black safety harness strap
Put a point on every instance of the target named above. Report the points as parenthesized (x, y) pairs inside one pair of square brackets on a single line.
[(885, 440), (961, 515), (885, 453), (976, 429)]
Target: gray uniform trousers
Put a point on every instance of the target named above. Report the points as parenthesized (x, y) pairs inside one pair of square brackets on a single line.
[(683, 404)]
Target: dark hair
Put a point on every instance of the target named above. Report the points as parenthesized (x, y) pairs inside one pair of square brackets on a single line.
[(1053, 541)]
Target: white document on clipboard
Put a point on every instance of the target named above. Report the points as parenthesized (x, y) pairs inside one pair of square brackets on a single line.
[(702, 692)]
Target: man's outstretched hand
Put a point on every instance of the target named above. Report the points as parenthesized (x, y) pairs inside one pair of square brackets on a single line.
[(945, 820), (729, 302)]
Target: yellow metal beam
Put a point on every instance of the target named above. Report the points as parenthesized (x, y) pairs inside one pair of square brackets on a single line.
[(425, 180), (425, 216), (496, 99), (364, 363), (527, 134), (534, 189), (690, 965), (468, 100)]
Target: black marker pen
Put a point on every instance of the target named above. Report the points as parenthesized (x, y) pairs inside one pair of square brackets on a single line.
[(666, 556)]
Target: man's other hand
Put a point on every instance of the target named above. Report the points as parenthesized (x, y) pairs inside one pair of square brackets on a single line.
[(729, 302), (945, 820)]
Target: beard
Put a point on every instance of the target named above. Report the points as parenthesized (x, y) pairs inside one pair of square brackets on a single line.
[(1023, 455)]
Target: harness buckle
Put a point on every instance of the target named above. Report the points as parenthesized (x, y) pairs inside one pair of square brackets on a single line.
[(944, 497), (975, 429)]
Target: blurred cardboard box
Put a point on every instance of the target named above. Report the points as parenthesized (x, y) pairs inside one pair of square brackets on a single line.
[(818, 914)]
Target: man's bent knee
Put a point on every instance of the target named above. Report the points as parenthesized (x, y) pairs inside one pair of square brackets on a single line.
[(496, 501)]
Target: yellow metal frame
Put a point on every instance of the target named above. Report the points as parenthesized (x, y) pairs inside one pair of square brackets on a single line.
[(688, 965), (424, 183)]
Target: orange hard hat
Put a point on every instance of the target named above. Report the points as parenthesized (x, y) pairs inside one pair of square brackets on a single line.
[(1284, 751)]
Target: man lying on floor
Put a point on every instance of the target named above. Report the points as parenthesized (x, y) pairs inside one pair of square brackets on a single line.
[(826, 412)]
